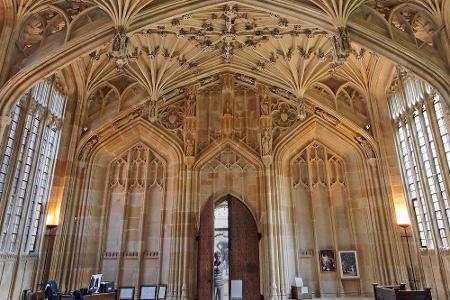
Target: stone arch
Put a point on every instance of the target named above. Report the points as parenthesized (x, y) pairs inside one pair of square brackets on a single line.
[(218, 197), (242, 178), (214, 149), (87, 195), (359, 153)]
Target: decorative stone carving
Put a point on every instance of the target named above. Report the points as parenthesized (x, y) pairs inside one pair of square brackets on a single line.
[(366, 147), (153, 111), (120, 53), (190, 123), (266, 142), (326, 116), (229, 159), (87, 148), (301, 109), (341, 45), (171, 117), (135, 114), (246, 79), (281, 92), (284, 115), (265, 108)]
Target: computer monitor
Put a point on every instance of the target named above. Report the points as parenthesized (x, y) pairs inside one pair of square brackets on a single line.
[(94, 284), (106, 287)]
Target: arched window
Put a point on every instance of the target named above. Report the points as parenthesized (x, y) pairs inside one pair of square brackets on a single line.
[(27, 164), (423, 147)]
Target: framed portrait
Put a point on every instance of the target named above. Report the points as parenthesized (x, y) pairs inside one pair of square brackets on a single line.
[(348, 262), (327, 260)]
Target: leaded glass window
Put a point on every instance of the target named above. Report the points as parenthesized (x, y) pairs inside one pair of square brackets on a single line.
[(421, 131), (27, 165)]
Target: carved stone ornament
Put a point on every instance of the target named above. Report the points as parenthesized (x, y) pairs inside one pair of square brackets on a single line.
[(135, 114), (191, 103), (341, 45), (281, 92), (171, 117), (366, 146), (266, 142), (285, 116), (301, 109), (246, 79), (152, 111), (189, 145), (326, 116), (87, 148), (120, 53)]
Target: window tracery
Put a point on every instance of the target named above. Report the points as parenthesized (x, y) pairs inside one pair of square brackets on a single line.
[(27, 165), (423, 149)]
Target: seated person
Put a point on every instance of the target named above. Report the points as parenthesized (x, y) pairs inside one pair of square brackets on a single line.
[(51, 290)]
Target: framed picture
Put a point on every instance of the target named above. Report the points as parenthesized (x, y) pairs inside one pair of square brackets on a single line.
[(126, 293), (327, 260), (148, 292), (162, 290), (348, 262)]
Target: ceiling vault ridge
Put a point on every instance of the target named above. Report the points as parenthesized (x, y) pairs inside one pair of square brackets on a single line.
[(244, 36)]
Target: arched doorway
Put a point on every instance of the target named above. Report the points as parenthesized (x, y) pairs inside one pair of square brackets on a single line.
[(227, 221)]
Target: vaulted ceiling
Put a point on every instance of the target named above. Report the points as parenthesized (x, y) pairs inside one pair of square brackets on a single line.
[(161, 46)]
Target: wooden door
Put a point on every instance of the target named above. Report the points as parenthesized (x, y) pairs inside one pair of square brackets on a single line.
[(244, 249), (205, 252)]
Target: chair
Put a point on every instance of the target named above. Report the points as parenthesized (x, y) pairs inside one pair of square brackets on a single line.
[(38, 296), (26, 294), (78, 295)]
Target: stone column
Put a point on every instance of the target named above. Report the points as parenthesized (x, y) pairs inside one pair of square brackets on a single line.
[(187, 214), (274, 234)]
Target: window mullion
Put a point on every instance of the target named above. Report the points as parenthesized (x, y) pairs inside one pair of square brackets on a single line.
[(43, 111), (27, 200), (419, 183), (421, 167), (36, 179), (429, 104), (408, 192), (9, 182), (434, 171)]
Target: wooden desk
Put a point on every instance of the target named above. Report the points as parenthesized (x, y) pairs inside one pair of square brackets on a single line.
[(105, 296)]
